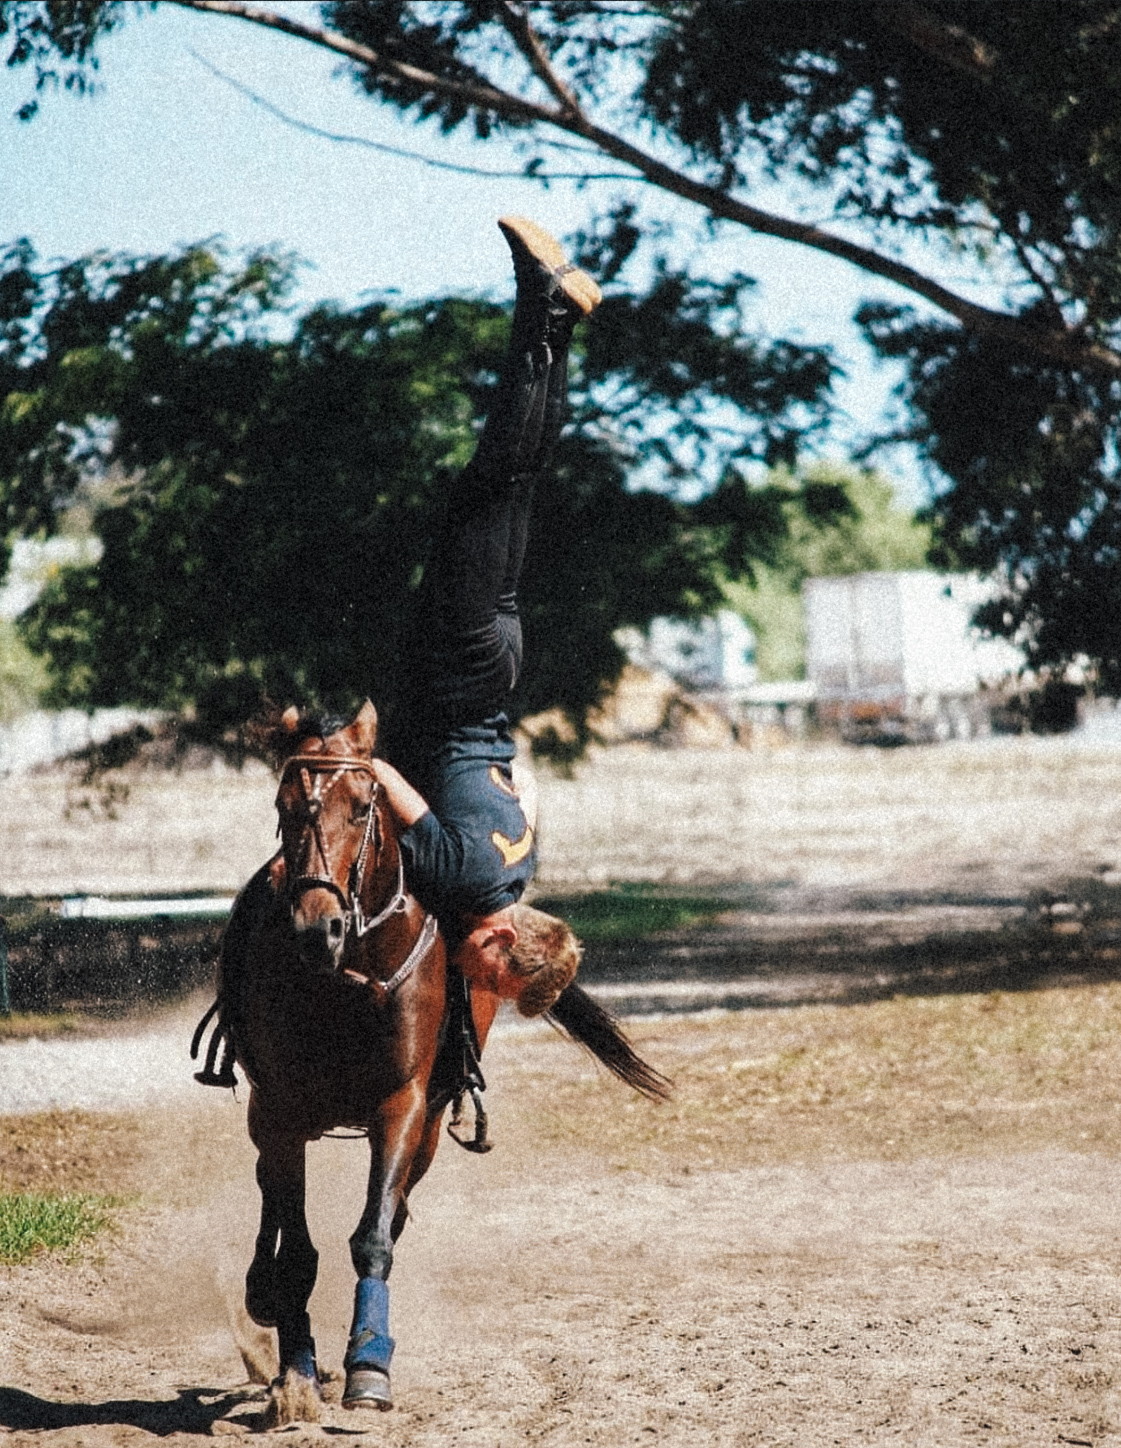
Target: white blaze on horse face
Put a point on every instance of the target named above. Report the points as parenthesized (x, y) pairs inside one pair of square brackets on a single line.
[(325, 815)]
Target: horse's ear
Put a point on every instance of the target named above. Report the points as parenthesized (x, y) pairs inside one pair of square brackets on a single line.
[(366, 726), (290, 718)]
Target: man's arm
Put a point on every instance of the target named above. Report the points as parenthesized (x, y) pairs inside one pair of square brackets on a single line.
[(407, 805)]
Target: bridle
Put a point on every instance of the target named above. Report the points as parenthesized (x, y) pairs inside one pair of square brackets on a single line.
[(312, 769)]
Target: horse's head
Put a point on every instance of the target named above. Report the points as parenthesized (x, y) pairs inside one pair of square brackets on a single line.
[(329, 829)]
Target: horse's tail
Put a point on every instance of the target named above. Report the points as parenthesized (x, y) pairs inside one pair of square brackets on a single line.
[(587, 1023)]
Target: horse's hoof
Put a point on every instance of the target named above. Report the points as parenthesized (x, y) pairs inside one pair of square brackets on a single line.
[(367, 1388), (293, 1398)]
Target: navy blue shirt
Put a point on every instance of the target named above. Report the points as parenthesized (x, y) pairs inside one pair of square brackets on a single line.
[(473, 853)]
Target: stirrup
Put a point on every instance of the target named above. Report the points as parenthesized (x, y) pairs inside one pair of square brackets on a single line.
[(469, 1078), (220, 1036), (480, 1141)]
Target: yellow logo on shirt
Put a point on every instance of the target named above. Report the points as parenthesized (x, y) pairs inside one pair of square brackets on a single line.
[(512, 853), (499, 780)]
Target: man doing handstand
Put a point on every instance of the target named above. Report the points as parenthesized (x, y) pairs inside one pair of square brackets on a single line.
[(467, 837)]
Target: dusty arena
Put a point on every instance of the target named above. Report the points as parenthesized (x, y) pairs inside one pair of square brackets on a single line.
[(882, 1206)]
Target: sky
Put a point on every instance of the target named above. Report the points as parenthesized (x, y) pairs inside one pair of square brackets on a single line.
[(168, 152)]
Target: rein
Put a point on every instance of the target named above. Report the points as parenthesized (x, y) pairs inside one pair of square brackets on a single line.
[(312, 767)]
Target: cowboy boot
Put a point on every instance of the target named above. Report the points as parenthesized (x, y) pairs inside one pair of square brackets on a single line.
[(540, 266)]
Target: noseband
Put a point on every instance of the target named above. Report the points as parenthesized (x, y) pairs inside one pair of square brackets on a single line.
[(312, 768)]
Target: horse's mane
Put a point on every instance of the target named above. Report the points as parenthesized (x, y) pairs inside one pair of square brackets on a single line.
[(269, 735)]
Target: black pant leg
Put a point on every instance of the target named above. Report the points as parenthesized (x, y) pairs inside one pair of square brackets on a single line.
[(466, 648)]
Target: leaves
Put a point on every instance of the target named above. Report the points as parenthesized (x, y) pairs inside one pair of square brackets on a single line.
[(45, 32), (977, 138), (1031, 453), (838, 520), (265, 505)]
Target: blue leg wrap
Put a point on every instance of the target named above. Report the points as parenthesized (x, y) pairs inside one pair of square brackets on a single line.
[(303, 1362), (297, 1346), (370, 1344)]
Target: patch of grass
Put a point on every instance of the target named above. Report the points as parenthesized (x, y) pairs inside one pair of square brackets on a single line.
[(630, 912), (35, 1222), (22, 1025)]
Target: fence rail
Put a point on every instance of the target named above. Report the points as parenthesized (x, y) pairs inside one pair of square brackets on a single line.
[(97, 951)]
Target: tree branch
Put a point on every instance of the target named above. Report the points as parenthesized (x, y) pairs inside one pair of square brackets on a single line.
[(1063, 345), (516, 21), (344, 138), (485, 96), (1028, 262), (948, 43)]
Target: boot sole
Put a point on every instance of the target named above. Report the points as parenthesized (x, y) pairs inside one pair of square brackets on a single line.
[(577, 286)]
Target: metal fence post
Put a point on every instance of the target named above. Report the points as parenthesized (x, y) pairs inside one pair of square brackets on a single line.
[(5, 997)]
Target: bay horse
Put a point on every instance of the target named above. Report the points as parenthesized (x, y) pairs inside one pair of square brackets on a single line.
[(336, 999)]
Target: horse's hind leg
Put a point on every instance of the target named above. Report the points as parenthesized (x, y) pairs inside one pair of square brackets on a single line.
[(277, 1288), (395, 1140)]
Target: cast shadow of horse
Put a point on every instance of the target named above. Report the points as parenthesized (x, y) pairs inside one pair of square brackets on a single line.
[(193, 1410)]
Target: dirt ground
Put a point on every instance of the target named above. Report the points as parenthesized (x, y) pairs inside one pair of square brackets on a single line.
[(860, 1220)]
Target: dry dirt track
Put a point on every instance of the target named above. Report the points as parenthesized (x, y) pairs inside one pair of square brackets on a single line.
[(565, 1294), (807, 1249)]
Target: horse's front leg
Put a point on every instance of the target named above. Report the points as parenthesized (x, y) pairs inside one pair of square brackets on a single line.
[(394, 1141), (277, 1288)]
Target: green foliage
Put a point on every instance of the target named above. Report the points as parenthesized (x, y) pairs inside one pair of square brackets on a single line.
[(975, 131), (23, 675), (34, 1222), (35, 1025), (1035, 498), (684, 348), (978, 138), (264, 505), (870, 532), (46, 32)]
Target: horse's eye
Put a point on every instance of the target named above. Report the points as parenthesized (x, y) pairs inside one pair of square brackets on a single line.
[(296, 812), (359, 809)]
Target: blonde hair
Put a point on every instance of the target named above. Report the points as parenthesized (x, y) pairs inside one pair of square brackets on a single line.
[(547, 954)]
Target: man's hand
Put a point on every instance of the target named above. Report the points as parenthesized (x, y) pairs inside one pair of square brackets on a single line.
[(407, 805)]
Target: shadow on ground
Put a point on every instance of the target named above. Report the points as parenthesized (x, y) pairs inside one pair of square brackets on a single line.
[(653, 949), (789, 946), (194, 1410)]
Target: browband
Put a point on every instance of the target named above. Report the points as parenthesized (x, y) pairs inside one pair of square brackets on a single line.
[(328, 761)]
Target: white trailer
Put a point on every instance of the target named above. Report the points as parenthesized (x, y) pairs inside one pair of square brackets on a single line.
[(707, 655), (895, 655)]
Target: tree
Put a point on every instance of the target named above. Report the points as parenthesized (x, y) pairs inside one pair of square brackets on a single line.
[(265, 505), (936, 135), (23, 677), (870, 532)]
